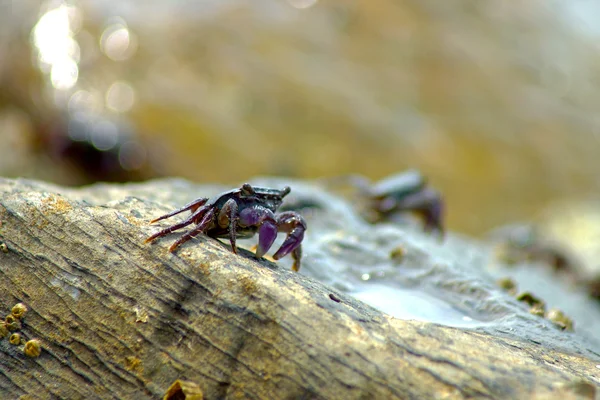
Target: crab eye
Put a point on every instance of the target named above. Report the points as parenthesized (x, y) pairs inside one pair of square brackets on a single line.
[(285, 191), (247, 189)]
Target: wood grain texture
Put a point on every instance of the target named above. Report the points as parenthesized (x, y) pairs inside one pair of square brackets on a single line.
[(120, 319)]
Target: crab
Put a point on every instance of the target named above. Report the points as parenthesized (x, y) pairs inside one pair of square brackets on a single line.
[(403, 192), (240, 214), (407, 191)]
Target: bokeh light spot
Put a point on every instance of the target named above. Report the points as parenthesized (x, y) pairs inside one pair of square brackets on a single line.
[(104, 135), (58, 52), (132, 156), (64, 74), (302, 3), (86, 101), (79, 127), (120, 97), (51, 33), (117, 42)]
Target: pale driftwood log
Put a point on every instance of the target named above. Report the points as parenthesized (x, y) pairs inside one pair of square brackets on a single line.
[(120, 319)]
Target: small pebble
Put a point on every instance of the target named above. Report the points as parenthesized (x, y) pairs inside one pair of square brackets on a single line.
[(398, 254), (508, 285), (184, 390), (3, 330), (530, 299), (15, 339), (537, 306), (538, 309), (560, 319), (33, 348), (334, 297), (19, 310), (12, 323)]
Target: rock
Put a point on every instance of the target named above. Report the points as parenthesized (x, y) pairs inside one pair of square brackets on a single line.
[(117, 318)]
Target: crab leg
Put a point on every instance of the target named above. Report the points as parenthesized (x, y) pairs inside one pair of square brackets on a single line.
[(202, 226), (295, 226), (193, 206), (194, 218), (428, 203), (228, 217)]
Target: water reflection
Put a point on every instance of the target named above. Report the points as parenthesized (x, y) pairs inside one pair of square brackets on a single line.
[(414, 304), (120, 97), (105, 135), (58, 51), (87, 125), (302, 3), (64, 74), (117, 42), (85, 100)]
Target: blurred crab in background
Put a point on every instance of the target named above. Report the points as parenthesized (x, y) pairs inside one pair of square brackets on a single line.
[(241, 213), (391, 197)]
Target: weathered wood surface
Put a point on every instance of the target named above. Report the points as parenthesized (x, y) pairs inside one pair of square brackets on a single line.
[(120, 319)]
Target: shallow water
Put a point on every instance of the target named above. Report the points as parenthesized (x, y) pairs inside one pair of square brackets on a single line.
[(413, 304)]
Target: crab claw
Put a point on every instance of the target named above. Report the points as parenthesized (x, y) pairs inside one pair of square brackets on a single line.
[(435, 215), (294, 225), (428, 203), (292, 241), (267, 233)]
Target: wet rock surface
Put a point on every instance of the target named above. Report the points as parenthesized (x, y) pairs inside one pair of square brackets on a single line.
[(409, 274), (120, 318)]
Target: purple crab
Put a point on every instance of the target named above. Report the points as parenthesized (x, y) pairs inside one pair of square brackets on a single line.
[(407, 191), (396, 194), (241, 213)]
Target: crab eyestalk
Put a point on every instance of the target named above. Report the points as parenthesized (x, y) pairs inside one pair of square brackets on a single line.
[(247, 189)]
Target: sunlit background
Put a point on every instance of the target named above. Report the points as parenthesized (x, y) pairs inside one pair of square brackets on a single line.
[(496, 102)]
